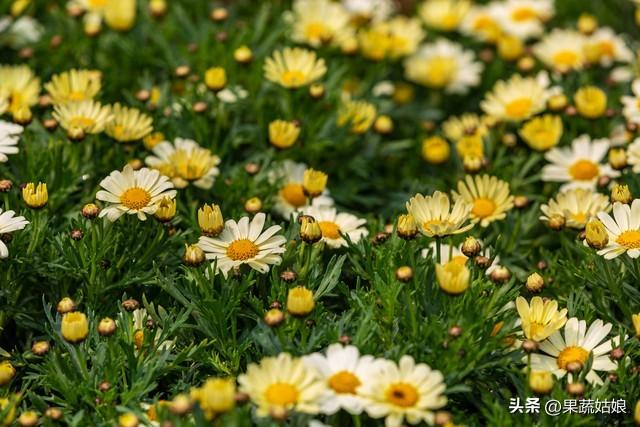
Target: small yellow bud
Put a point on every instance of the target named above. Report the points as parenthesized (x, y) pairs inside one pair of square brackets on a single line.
[(28, 419), (618, 158), (243, 54), (541, 382), (300, 301), (596, 234), (557, 102), (535, 282), (453, 277), (157, 8), (166, 209), (274, 317), (591, 102), (193, 255), (22, 115), (636, 412), (472, 164), (120, 15), (253, 205), (620, 193), (74, 327), (383, 125), (219, 14), (526, 63), (66, 305), (407, 228), (106, 327), (314, 182), (128, 420), (587, 23), (215, 78), (210, 220), (180, 405), (435, 150), (90, 211), (7, 372), (35, 197), (40, 348), (471, 247), (510, 48), (316, 90), (283, 134), (310, 231), (215, 396), (404, 273)]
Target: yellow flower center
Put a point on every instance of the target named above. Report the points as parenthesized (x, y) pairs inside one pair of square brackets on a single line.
[(434, 225), (81, 122), (607, 48), (572, 354), (535, 329), (630, 239), (483, 207), (97, 3), (483, 22), (76, 95), (565, 58), (281, 394), (450, 21), (524, 14), (242, 250), (329, 229), (344, 382), (293, 77), (440, 71), (135, 198), (316, 31), (402, 394), (16, 101), (580, 217), (294, 195), (583, 170), (518, 108)]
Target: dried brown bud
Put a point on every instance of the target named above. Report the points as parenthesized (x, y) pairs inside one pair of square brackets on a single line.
[(130, 304)]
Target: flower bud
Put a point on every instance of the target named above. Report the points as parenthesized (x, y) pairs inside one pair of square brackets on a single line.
[(215, 78), (407, 228), (587, 23), (453, 277), (128, 420), (180, 405), (166, 209), (316, 90), (557, 102), (274, 317), (283, 133), (90, 211), (253, 205), (66, 305), (40, 348), (53, 413), (106, 327), (300, 301), (510, 48), (314, 182), (35, 197), (74, 327), (620, 193), (435, 150), (575, 389), (310, 231), (500, 275), (591, 102), (535, 283), (28, 419), (383, 125), (556, 222), (7, 372), (243, 55), (210, 220), (596, 234), (130, 304), (529, 346), (472, 164), (404, 273), (471, 247), (219, 14), (193, 255), (541, 382), (618, 158)]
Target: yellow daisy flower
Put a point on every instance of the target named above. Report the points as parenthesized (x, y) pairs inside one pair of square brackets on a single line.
[(82, 118), (74, 85), (540, 318), (577, 206), (294, 67), (518, 98), (436, 218), (128, 124), (19, 88), (489, 196), (561, 50)]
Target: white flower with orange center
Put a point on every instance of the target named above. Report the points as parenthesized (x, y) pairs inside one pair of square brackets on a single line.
[(578, 166), (518, 98), (185, 162), (8, 224), (82, 117), (134, 192), (404, 390), (481, 24), (74, 85), (289, 175), (9, 137), (281, 384), (523, 18), (294, 67), (335, 225), (444, 65), (562, 50), (490, 197), (318, 22), (577, 206), (435, 217), (605, 47), (344, 370), (623, 230), (575, 347), (244, 242), (631, 109), (540, 318)]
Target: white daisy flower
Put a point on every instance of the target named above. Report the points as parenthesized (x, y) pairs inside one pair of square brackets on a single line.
[(334, 225), (245, 243), (481, 24), (576, 346), (9, 137), (518, 98), (562, 50), (623, 230), (523, 18), (404, 390), (344, 370), (291, 199), (444, 65), (435, 216), (134, 192), (185, 162), (369, 10), (607, 47), (631, 110), (9, 223), (577, 206), (578, 166)]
